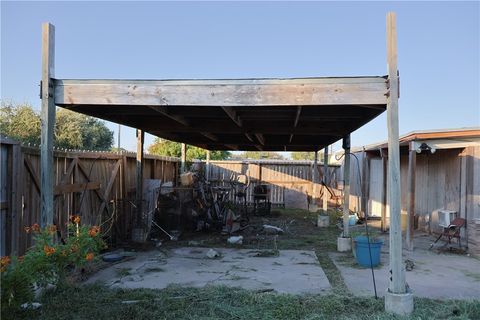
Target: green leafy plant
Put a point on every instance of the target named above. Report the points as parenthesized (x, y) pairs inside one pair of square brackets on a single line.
[(48, 261)]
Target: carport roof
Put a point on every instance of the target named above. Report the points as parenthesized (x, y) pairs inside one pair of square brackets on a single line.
[(302, 114)]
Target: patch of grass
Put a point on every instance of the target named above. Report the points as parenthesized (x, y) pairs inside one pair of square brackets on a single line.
[(237, 278), (264, 253), (123, 272), (474, 275), (214, 302), (154, 269), (349, 261)]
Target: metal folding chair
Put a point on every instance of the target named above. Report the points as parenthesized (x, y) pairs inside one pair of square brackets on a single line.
[(451, 231)]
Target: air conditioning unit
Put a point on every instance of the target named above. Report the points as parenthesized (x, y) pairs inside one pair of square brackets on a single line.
[(445, 217)]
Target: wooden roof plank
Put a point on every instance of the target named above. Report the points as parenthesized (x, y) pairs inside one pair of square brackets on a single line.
[(287, 92)]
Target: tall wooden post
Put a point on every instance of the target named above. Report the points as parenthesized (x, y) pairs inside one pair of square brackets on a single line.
[(314, 179), (183, 157), (397, 282), (384, 156), (139, 173), (365, 177), (412, 165), (346, 186), (207, 166), (47, 124), (325, 179)]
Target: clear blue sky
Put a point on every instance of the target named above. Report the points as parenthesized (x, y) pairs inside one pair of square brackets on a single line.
[(438, 49)]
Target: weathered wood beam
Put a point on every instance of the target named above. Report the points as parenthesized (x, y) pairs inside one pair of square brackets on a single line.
[(233, 115), (33, 174), (183, 157), (75, 187), (164, 111), (271, 129), (210, 136), (346, 186), (295, 122), (397, 282), (325, 179), (412, 167), (139, 175), (384, 155), (249, 137), (224, 93), (232, 146), (47, 116), (260, 138), (207, 166)]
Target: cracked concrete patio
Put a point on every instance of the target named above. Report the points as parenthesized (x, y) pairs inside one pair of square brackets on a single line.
[(291, 271)]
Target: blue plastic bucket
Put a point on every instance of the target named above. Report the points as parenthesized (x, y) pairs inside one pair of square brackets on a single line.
[(352, 219), (363, 253)]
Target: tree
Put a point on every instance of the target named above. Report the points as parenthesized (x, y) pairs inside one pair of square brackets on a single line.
[(77, 131), (20, 123), (305, 155), (256, 155), (72, 130), (169, 148)]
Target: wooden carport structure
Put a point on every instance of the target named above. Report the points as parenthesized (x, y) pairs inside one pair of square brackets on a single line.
[(250, 114)]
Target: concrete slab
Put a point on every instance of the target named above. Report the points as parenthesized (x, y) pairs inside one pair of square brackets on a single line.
[(447, 276), (292, 271)]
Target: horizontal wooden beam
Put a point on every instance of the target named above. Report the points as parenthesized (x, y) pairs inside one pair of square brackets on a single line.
[(223, 93), (75, 187), (164, 111)]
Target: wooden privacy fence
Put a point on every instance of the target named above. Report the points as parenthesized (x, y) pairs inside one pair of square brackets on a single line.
[(290, 181), (98, 186)]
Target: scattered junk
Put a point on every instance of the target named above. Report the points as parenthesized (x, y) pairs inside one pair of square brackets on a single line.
[(409, 265), (199, 206), (212, 254), (323, 221), (31, 306), (112, 257), (272, 229), (235, 240), (261, 200)]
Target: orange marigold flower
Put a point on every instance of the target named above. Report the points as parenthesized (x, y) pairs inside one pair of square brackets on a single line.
[(4, 262), (27, 229), (52, 229), (76, 219), (36, 227), (89, 256), (48, 250), (93, 231)]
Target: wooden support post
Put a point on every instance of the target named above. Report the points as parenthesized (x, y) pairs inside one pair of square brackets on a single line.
[(365, 176), (384, 156), (47, 124), (325, 179), (314, 179), (397, 267), (412, 164), (139, 174), (346, 185), (207, 166), (183, 157)]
